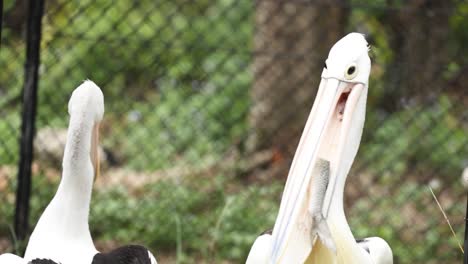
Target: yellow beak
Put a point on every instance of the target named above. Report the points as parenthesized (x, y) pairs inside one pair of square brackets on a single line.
[(326, 129)]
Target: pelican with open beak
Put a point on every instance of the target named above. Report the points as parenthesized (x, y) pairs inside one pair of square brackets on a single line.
[(311, 226)]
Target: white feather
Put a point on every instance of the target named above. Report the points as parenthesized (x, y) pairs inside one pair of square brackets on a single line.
[(8, 258), (260, 251)]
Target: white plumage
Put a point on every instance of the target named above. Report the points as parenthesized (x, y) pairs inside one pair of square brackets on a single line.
[(260, 251), (8, 258)]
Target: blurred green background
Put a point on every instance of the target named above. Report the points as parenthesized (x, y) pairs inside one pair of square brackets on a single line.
[(205, 104)]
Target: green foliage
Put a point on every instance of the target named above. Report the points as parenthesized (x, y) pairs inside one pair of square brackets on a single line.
[(9, 145), (421, 138), (183, 73), (178, 124), (198, 216), (402, 220), (211, 223), (194, 66)]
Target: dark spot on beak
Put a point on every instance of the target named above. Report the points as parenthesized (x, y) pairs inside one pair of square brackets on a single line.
[(268, 231)]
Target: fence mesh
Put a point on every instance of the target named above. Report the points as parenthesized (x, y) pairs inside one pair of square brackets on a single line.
[(205, 103)]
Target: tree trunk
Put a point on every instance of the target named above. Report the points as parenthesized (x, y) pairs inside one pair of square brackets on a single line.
[(419, 42), (291, 41)]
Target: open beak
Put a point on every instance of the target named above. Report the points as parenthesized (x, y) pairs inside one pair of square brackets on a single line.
[(324, 135), (338, 104), (95, 150)]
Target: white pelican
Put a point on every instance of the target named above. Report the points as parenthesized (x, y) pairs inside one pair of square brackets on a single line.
[(62, 233), (331, 136)]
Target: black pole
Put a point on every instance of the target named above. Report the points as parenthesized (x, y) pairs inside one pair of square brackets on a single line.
[(465, 243), (33, 40), (1, 20)]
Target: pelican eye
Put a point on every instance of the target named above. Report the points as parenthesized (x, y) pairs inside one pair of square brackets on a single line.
[(351, 72)]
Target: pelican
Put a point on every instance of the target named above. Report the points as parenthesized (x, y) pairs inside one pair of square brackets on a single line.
[(311, 226), (62, 233)]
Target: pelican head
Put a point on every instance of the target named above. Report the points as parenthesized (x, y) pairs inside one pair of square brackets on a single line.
[(332, 133), (343, 92), (87, 104)]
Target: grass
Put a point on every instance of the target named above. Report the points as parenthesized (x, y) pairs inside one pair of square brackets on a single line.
[(215, 219)]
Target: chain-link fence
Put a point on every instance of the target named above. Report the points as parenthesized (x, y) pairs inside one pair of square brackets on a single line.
[(205, 103)]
